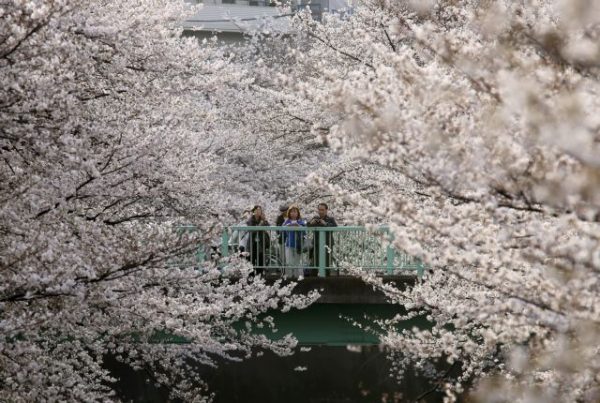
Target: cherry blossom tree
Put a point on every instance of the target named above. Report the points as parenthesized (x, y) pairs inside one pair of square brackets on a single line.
[(476, 123), (466, 125), (274, 149), (108, 140)]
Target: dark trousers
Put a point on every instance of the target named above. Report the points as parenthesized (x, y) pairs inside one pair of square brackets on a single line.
[(259, 247)]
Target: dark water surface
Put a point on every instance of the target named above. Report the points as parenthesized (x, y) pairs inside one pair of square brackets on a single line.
[(333, 374), (329, 372)]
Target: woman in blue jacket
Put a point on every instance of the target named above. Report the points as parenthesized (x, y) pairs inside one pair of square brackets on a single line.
[(293, 242)]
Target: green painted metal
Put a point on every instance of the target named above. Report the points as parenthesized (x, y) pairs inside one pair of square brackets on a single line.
[(356, 246), (322, 252), (390, 259), (225, 244), (323, 324), (353, 246), (334, 324)]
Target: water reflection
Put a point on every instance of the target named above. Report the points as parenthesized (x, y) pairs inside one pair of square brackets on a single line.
[(333, 374), (314, 374)]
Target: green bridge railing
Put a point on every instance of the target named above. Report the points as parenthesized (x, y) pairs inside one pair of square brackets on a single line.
[(302, 251)]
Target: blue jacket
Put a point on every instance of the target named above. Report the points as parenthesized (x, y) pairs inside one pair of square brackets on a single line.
[(293, 239)]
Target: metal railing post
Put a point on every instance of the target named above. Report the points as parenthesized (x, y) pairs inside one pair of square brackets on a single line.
[(390, 253), (322, 263), (420, 269), (390, 259), (225, 243)]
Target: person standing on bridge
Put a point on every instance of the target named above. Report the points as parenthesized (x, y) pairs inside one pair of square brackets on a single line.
[(293, 242), (282, 215), (258, 241), (279, 222), (322, 219)]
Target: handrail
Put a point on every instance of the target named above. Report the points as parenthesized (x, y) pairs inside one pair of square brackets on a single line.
[(309, 228), (315, 248), (322, 257)]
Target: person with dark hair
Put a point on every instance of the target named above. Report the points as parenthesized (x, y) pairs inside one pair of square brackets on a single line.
[(258, 241), (279, 222), (282, 215), (322, 219)]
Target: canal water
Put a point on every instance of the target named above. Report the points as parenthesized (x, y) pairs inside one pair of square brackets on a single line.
[(335, 362), (332, 374)]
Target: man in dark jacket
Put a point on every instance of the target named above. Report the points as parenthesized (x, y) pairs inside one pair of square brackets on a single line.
[(322, 220), (279, 222), (259, 241)]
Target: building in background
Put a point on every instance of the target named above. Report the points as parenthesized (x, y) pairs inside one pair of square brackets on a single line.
[(229, 20)]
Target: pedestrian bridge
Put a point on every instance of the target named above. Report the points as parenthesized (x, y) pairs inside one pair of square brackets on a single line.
[(322, 254), (312, 251)]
